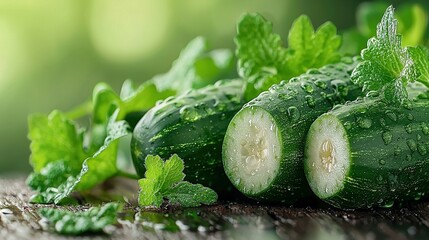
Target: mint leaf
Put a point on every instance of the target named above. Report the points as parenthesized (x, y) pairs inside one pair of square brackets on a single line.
[(386, 65), (310, 49), (54, 138), (52, 175), (94, 170), (77, 223), (263, 61), (187, 194), (165, 180), (420, 58), (261, 55)]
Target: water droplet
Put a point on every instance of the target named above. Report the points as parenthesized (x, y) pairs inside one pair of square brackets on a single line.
[(313, 71), (387, 137), (422, 149), (308, 88), (382, 162), (336, 107), (408, 157), (364, 122), (391, 115), (189, 114), (425, 128), (387, 204), (321, 84), (408, 128), (347, 125), (178, 103), (412, 145), (310, 101), (397, 151), (293, 113), (372, 94), (237, 181), (383, 122)]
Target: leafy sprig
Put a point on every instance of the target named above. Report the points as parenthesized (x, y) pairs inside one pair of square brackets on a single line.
[(263, 61), (387, 66), (164, 180)]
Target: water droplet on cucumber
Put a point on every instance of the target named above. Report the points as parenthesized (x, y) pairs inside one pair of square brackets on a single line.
[(293, 113), (310, 101), (412, 145), (387, 137), (391, 115), (364, 122)]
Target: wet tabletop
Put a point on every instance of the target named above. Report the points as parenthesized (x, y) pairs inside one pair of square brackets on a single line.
[(226, 220)]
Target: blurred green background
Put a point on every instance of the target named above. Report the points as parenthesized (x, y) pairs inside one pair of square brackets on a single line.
[(52, 52)]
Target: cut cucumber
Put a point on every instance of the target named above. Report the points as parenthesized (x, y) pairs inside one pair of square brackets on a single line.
[(254, 150), (264, 143), (369, 154), (193, 126)]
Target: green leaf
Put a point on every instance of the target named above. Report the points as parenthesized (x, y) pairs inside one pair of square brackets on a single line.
[(187, 194), (260, 52), (164, 180), (188, 72), (94, 170), (52, 175), (263, 61), (77, 223), (54, 138), (420, 58), (385, 66), (172, 173), (309, 49)]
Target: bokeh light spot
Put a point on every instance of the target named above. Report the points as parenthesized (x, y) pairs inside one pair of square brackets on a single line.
[(128, 30)]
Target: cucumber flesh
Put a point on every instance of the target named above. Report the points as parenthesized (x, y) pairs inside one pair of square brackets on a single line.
[(327, 156), (253, 151)]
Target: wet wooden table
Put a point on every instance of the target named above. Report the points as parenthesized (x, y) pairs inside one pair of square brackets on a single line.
[(227, 220)]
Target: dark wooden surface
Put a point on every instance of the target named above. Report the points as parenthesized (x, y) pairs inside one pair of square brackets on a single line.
[(19, 220)]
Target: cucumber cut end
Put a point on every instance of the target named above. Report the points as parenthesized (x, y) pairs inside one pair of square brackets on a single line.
[(252, 150), (327, 156)]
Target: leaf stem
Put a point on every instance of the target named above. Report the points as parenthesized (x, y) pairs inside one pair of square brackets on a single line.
[(80, 111)]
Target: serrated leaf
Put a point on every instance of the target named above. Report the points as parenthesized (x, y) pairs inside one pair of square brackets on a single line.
[(165, 181), (187, 194), (77, 223), (172, 172), (54, 138), (260, 52), (94, 170), (263, 61), (149, 193), (386, 66), (420, 59)]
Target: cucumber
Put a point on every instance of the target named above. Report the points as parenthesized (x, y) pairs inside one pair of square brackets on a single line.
[(369, 154), (193, 126), (264, 143)]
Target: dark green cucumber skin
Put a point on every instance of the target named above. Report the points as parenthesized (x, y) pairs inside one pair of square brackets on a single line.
[(382, 171), (193, 126), (331, 85)]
